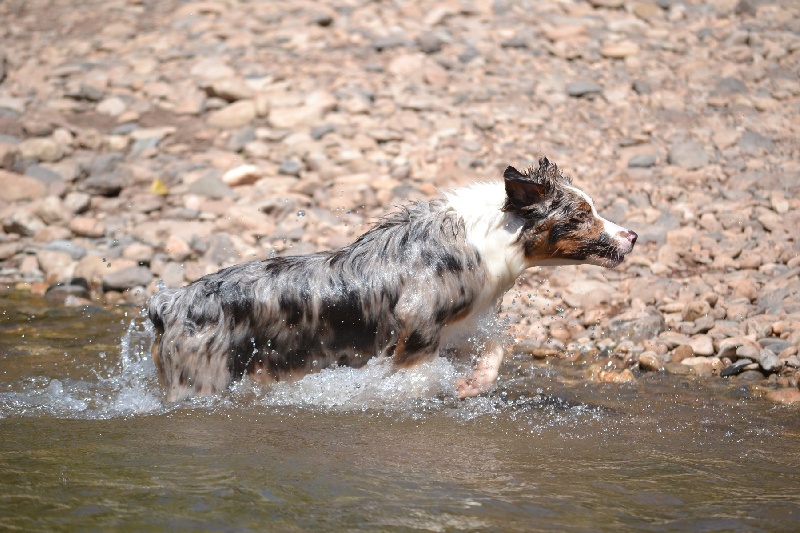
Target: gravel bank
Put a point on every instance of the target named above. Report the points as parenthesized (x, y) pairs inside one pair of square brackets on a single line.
[(144, 141)]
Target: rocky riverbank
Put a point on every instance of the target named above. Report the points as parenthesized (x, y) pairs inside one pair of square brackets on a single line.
[(144, 141)]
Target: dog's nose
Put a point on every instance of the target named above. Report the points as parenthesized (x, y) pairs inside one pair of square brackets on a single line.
[(631, 236)]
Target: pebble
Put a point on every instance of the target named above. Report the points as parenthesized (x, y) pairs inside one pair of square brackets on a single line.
[(127, 278), (583, 88), (234, 115), (687, 155)]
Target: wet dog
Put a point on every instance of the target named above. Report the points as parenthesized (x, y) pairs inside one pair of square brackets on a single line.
[(421, 282)]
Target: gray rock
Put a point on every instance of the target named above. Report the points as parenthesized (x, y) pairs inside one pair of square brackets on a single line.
[(321, 19), (127, 278), (75, 251), (583, 88), (385, 43), (429, 43), (727, 86), (636, 326), (642, 87), (43, 174), (108, 185), (318, 132), (689, 155), (73, 288), (753, 143), (290, 167), (514, 42), (240, 138), (642, 161), (105, 163), (77, 202), (211, 186)]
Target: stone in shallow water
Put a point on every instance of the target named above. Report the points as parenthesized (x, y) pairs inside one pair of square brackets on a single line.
[(636, 326)]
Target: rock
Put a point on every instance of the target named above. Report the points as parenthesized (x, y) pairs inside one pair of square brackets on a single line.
[(704, 366), (290, 167), (728, 86), (683, 351), (41, 149), (753, 143), (127, 278), (23, 222), (688, 155), (9, 156), (619, 50), (231, 89), (583, 88), (210, 186), (87, 227), (784, 396), (69, 290), (57, 266), (77, 202), (702, 345), (429, 43), (234, 115), (651, 361), (43, 174), (113, 106), (242, 175), (636, 326), (108, 185), (642, 161), (16, 188), (769, 361), (75, 251), (608, 4), (694, 310)]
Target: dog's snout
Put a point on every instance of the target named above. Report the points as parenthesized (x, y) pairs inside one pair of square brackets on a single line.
[(631, 236)]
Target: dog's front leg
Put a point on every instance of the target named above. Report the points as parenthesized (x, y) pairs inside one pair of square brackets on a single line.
[(485, 373)]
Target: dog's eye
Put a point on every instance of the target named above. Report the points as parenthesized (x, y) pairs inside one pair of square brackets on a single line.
[(581, 217)]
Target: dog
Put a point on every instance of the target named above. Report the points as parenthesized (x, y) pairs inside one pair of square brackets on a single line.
[(419, 283)]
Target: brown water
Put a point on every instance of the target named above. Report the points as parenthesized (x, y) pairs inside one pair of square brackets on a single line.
[(86, 444)]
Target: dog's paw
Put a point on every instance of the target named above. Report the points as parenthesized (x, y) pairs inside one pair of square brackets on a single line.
[(468, 388)]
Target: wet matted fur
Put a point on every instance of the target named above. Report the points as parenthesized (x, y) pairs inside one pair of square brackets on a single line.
[(423, 278)]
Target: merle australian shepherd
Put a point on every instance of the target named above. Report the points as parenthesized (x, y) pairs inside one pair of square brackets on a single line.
[(421, 282)]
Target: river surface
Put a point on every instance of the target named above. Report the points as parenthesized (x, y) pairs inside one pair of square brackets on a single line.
[(86, 444)]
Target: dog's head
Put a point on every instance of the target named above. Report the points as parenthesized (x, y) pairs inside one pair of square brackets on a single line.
[(560, 225)]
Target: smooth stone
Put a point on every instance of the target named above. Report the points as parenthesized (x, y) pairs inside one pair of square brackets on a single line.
[(234, 115), (75, 251), (583, 88), (41, 149), (642, 161), (210, 186), (753, 143), (429, 43), (16, 188), (108, 184), (242, 175), (127, 278), (688, 155), (784, 396)]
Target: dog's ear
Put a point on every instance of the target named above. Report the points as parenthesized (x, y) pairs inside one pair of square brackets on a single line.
[(521, 191)]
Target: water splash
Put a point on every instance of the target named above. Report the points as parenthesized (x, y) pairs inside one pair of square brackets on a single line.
[(128, 387)]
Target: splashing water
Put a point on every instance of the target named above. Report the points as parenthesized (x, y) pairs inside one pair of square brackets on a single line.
[(93, 384), (127, 388)]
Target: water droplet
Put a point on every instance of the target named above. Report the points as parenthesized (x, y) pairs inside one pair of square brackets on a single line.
[(301, 213)]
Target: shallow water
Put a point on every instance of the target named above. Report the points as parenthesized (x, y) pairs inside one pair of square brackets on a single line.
[(87, 444)]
